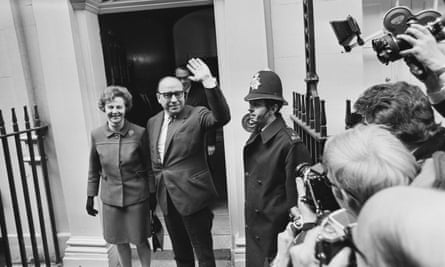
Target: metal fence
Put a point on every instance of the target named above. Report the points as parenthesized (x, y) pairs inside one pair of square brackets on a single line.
[(309, 116), (25, 186)]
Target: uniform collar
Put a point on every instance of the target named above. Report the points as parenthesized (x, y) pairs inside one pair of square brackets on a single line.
[(272, 129), (122, 132)]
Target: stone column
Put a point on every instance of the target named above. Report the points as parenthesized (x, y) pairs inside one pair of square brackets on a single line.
[(242, 50)]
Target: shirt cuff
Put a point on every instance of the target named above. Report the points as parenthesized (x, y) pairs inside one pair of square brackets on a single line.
[(209, 83), (437, 97)]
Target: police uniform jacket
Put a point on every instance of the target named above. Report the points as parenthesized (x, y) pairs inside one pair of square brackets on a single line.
[(270, 158), (184, 173), (120, 162)]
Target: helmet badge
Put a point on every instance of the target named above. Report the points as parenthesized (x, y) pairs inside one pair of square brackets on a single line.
[(255, 83)]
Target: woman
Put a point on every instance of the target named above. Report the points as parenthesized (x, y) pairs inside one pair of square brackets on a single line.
[(119, 161)]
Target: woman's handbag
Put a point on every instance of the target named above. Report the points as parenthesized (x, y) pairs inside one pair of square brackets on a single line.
[(157, 233)]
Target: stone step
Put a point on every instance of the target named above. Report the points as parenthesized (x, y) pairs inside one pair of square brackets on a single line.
[(220, 230), (222, 242), (166, 258)]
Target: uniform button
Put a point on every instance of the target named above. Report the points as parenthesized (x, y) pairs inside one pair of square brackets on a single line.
[(257, 211), (116, 136), (246, 173), (259, 182), (257, 237)]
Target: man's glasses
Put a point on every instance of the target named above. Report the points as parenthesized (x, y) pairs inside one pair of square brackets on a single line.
[(169, 95)]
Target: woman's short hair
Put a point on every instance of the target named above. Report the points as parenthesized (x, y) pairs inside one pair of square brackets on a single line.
[(402, 226), (366, 159), (113, 91), (403, 107)]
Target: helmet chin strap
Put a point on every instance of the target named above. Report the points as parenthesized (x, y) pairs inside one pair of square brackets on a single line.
[(269, 117)]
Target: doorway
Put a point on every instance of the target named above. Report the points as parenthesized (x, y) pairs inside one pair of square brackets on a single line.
[(142, 47)]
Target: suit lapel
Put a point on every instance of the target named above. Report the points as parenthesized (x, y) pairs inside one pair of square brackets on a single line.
[(173, 128)]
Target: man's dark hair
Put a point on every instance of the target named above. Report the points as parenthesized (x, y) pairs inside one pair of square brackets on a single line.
[(403, 107), (182, 67)]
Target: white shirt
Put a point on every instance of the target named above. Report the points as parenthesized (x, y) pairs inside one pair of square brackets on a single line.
[(163, 135)]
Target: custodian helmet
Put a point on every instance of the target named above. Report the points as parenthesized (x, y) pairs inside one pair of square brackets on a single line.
[(265, 84)]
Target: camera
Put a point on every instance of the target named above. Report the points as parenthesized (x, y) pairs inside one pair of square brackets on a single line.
[(335, 235), (319, 195), (388, 46)]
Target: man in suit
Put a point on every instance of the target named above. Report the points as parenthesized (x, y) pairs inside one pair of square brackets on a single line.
[(184, 185)]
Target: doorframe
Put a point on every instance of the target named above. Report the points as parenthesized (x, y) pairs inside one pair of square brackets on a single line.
[(235, 189), (119, 6), (233, 77)]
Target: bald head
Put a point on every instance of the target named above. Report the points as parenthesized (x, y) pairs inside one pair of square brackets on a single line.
[(169, 82)]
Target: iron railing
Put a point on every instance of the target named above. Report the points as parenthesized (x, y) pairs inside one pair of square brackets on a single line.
[(28, 138), (309, 116)]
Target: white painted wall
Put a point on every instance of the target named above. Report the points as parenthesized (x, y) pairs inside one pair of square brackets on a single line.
[(13, 83), (242, 51), (340, 74), (20, 82)]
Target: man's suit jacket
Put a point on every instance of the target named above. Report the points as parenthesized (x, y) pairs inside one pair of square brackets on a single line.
[(197, 97), (184, 173)]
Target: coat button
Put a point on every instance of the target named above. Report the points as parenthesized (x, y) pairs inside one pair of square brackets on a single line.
[(246, 173), (259, 182), (257, 237), (257, 211)]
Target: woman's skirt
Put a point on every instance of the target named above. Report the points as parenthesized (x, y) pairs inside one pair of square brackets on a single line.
[(130, 224)]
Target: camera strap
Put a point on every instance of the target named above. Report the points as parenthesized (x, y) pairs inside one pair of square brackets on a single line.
[(299, 238)]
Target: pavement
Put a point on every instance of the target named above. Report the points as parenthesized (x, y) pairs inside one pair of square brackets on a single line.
[(221, 243)]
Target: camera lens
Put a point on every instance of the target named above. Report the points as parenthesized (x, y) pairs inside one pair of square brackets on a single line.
[(388, 48)]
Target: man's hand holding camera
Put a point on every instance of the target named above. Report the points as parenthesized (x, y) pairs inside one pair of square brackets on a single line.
[(424, 48), (431, 53)]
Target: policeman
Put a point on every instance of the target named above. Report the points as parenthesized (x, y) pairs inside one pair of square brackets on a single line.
[(270, 156)]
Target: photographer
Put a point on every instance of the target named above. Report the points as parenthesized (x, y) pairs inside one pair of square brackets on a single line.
[(431, 54), (411, 233), (407, 113), (360, 162)]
